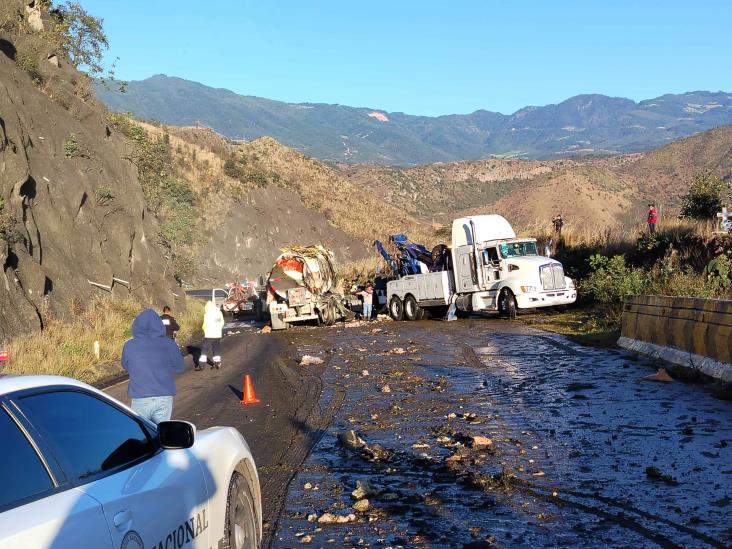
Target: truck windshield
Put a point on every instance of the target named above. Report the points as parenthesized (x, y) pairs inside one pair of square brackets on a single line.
[(515, 249)]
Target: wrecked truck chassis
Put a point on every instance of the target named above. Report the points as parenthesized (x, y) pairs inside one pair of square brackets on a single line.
[(326, 309)]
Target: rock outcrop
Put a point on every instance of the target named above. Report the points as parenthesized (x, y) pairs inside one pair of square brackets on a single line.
[(72, 208)]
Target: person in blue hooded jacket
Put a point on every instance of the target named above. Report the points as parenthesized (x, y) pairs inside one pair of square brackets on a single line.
[(152, 360)]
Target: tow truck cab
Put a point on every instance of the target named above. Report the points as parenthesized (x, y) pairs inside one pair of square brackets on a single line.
[(491, 270), (489, 260)]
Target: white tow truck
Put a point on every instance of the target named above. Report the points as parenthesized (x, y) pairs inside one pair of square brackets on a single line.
[(489, 270)]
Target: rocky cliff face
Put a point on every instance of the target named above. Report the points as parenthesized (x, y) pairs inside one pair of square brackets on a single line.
[(255, 229), (72, 208)]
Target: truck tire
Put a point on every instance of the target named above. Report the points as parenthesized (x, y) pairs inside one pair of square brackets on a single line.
[(396, 308), (507, 304), (411, 309)]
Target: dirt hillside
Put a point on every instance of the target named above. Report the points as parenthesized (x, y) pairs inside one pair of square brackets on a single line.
[(254, 198), (607, 191)]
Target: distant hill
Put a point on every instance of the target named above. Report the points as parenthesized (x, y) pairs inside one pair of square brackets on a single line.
[(585, 125), (589, 192)]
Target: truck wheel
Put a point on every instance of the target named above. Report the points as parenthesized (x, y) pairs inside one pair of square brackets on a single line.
[(411, 309), (396, 308), (507, 304), (240, 527)]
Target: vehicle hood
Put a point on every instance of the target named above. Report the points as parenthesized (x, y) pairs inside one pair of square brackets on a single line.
[(535, 260)]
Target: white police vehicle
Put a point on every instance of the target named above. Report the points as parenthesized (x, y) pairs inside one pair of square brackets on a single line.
[(79, 469)]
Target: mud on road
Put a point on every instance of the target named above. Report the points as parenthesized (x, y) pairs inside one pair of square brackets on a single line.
[(576, 451)]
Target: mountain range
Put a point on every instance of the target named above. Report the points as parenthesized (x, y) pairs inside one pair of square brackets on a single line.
[(584, 125)]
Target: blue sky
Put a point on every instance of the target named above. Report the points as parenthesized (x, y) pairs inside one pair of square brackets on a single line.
[(426, 57)]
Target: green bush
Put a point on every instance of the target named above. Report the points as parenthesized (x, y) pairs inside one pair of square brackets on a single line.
[(104, 194), (71, 146), (27, 59), (719, 272), (82, 36), (233, 169), (611, 280), (705, 197)]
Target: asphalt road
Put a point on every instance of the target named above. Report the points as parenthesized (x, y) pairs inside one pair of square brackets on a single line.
[(280, 430), (582, 452)]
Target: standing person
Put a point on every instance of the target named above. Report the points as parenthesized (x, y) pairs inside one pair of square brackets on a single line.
[(213, 327), (652, 218), (368, 300), (151, 360), (171, 326), (558, 223)]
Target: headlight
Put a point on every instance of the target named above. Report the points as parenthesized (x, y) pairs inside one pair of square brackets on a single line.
[(570, 283), (528, 289)]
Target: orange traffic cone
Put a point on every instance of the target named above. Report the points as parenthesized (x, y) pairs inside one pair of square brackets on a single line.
[(248, 396)]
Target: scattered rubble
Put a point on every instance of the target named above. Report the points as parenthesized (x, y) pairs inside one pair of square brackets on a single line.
[(351, 440), (479, 442), (398, 351), (655, 474), (660, 375), (362, 505), (373, 452), (363, 489), (265, 329), (330, 518), (386, 389), (308, 360)]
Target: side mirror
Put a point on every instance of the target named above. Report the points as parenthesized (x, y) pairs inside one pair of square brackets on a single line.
[(176, 435)]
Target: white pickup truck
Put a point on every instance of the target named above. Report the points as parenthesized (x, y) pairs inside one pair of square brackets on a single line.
[(489, 270)]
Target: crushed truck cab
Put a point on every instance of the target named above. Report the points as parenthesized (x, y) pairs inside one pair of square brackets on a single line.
[(489, 270)]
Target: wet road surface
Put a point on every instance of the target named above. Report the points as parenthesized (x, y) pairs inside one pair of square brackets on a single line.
[(581, 453), (280, 430)]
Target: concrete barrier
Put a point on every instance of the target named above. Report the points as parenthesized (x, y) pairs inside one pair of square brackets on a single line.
[(688, 331)]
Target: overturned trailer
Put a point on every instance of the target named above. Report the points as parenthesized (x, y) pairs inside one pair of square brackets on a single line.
[(302, 287)]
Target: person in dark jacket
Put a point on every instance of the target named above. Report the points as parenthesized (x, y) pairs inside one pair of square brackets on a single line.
[(152, 360), (171, 326)]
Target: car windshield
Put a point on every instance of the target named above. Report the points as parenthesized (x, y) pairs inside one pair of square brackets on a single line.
[(515, 249)]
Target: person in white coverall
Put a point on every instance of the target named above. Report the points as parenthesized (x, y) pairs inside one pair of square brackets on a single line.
[(213, 327)]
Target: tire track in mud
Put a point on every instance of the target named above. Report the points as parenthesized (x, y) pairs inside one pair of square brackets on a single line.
[(540, 492), (311, 420), (620, 519)]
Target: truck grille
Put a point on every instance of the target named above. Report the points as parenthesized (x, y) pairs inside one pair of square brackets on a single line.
[(552, 276)]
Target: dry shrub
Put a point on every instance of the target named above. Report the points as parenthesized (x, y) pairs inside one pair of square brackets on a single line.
[(67, 347)]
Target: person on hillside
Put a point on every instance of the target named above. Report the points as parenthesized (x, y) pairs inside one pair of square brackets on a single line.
[(171, 326), (152, 360), (558, 223), (368, 301), (652, 218), (213, 327)]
